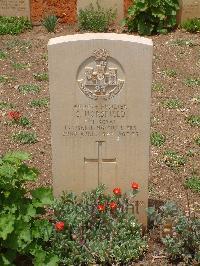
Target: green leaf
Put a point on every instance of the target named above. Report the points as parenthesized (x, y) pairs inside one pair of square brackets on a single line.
[(7, 171), (21, 236), (27, 211), (16, 157), (42, 229), (142, 6), (42, 196), (4, 260), (27, 174), (43, 258), (144, 28), (51, 260), (6, 225)]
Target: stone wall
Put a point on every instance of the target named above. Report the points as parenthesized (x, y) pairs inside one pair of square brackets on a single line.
[(64, 9)]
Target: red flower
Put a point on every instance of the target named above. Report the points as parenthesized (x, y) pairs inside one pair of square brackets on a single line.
[(101, 207), (113, 205), (14, 115), (117, 191), (135, 185), (59, 226)]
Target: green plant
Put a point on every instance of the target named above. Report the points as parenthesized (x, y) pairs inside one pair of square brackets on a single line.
[(41, 76), (148, 17), (182, 42), (96, 228), (180, 234), (45, 56), (24, 122), (157, 139), (17, 66), (29, 88), (184, 242), (172, 103), (163, 214), (96, 19), (16, 118), (25, 137), (43, 102), (197, 141), (4, 79), (3, 55), (191, 153), (23, 231), (194, 120), (191, 25), (193, 183), (50, 22), (19, 43), (192, 82), (14, 25), (170, 73), (5, 105), (158, 87), (173, 159)]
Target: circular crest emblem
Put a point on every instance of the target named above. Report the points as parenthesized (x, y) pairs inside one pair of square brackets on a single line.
[(99, 79)]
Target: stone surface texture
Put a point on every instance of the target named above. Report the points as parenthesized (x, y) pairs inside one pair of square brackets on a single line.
[(11, 8), (100, 90), (189, 9)]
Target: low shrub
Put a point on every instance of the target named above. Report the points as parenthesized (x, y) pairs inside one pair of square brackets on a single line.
[(157, 139), (41, 76), (191, 25), (37, 103), (29, 88), (50, 23), (173, 159), (96, 228), (180, 234), (22, 229), (96, 19), (148, 17), (193, 183), (14, 25), (24, 137), (194, 120)]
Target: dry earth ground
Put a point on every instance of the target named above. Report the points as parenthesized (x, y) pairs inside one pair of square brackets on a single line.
[(176, 61)]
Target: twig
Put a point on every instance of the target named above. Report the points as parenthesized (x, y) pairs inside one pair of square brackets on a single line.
[(158, 257)]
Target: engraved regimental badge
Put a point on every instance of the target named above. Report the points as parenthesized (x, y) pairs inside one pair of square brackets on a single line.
[(99, 80)]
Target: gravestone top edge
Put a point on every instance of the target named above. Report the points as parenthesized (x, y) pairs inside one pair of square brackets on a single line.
[(100, 36)]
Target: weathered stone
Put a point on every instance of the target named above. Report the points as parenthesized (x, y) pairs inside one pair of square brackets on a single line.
[(11, 8), (188, 9), (100, 87)]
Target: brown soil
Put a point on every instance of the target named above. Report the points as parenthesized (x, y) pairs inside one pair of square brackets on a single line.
[(165, 183)]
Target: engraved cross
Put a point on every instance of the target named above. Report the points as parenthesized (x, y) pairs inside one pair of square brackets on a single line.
[(99, 160)]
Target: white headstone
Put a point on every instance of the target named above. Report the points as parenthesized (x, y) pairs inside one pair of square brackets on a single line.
[(100, 89)]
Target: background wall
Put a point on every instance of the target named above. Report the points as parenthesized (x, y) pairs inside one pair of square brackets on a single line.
[(66, 10)]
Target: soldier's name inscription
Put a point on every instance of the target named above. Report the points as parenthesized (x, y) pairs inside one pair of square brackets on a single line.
[(100, 120)]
